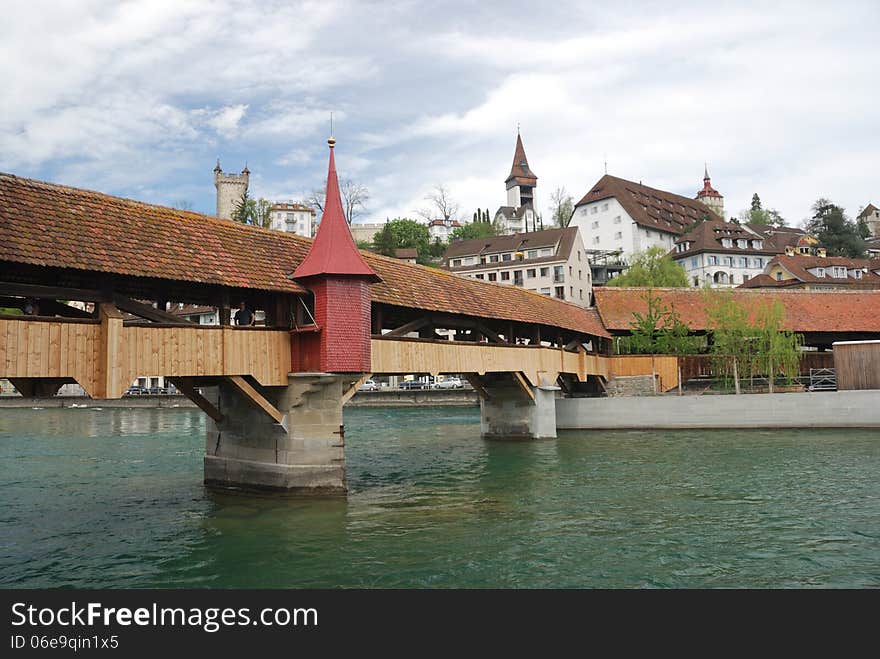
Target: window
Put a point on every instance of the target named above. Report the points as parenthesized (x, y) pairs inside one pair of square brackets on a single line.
[(517, 278), (712, 260), (580, 274), (838, 272), (505, 257), (617, 220), (290, 216), (696, 281), (820, 272), (530, 273), (743, 262), (505, 276), (545, 291), (779, 276), (758, 244), (545, 272), (694, 263), (726, 242), (594, 210), (558, 273), (547, 251), (493, 258), (560, 292), (595, 240), (648, 233), (759, 263), (581, 293), (579, 255), (482, 259), (456, 263), (857, 274), (570, 271), (480, 277), (618, 235), (533, 254), (742, 243), (727, 260), (571, 291), (594, 225)]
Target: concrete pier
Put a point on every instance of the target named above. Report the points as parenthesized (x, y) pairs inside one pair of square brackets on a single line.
[(514, 409), (304, 454)]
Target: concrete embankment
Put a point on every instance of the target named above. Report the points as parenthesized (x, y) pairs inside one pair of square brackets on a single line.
[(389, 398), (826, 409)]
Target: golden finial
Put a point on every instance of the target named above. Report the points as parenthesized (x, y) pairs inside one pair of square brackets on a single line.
[(331, 140)]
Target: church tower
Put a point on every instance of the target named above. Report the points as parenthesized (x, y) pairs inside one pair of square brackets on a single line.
[(230, 188), (522, 181), (710, 196)]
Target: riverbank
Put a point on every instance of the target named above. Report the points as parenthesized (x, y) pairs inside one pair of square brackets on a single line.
[(825, 409)]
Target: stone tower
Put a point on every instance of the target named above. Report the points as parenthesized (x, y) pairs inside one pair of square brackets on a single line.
[(230, 188), (521, 182), (710, 196)]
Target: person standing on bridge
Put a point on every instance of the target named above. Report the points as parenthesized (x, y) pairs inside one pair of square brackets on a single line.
[(244, 316)]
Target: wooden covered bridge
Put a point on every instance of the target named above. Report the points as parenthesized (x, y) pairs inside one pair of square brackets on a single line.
[(274, 393)]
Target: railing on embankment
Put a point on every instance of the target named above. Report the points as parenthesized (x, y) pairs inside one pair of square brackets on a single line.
[(106, 356)]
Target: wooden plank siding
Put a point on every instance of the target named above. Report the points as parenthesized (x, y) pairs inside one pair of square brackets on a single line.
[(106, 357), (540, 365), (857, 365), (666, 366)]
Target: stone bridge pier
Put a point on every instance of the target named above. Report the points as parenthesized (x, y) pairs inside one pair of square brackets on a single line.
[(304, 453), (512, 408)]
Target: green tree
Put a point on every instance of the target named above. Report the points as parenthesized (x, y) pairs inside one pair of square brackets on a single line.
[(659, 330), (757, 214), (747, 343), (475, 230), (833, 229), (252, 211), (653, 268), (400, 233), (756, 202)]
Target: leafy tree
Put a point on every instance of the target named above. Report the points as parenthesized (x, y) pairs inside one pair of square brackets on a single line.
[(475, 230), (757, 214), (659, 330), (364, 244), (653, 267), (400, 233), (839, 234), (749, 343), (436, 249), (756, 202), (252, 211)]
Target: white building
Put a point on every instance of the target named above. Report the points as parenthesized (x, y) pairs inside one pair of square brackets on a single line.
[(721, 254), (617, 214), (871, 216), (292, 217), (551, 262), (442, 230)]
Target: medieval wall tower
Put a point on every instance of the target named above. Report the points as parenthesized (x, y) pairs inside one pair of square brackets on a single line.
[(710, 196), (230, 188)]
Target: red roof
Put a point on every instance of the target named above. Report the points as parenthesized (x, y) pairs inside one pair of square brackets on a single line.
[(333, 252), (805, 311), (520, 170), (45, 224)]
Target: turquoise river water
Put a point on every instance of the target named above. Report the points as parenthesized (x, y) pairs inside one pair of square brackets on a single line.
[(113, 498)]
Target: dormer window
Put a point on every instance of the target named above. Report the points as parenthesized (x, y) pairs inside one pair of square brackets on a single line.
[(758, 244), (742, 243), (857, 274), (726, 242), (838, 272), (820, 272)]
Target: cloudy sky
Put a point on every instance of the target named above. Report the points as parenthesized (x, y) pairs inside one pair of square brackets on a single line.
[(139, 98)]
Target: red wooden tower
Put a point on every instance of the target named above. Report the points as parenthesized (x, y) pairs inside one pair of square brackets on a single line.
[(336, 273)]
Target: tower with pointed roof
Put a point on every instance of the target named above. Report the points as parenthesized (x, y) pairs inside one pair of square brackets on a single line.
[(339, 278), (519, 215), (230, 188), (709, 195)]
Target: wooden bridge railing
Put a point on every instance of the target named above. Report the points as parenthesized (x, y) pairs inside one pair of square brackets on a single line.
[(105, 356)]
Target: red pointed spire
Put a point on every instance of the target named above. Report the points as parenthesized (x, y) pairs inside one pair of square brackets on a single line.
[(333, 251), (520, 169)]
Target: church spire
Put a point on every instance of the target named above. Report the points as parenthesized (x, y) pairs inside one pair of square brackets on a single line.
[(333, 251), (520, 169)]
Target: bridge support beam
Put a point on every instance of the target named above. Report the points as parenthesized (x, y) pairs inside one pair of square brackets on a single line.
[(303, 454), (512, 408)]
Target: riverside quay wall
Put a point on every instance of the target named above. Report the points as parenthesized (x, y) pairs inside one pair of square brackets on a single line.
[(826, 409)]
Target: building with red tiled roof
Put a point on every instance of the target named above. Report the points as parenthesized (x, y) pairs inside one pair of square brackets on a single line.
[(722, 254), (821, 316), (629, 217), (818, 272), (551, 262), (710, 196), (81, 239), (519, 215), (441, 230)]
